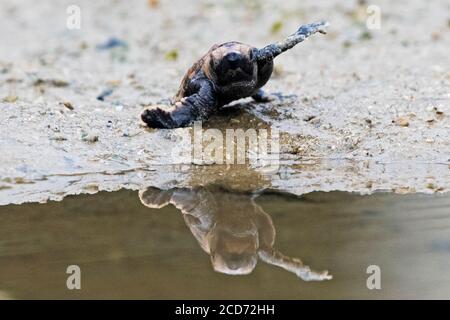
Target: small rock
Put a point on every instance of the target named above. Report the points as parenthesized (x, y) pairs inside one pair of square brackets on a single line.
[(83, 45), (356, 76), (53, 82), (153, 3), (308, 118), (366, 164), (434, 187), (104, 94), (113, 83), (10, 98), (58, 138), (347, 44), (402, 122), (59, 83), (365, 35), (172, 55), (67, 104), (276, 27), (440, 114), (405, 190), (435, 36), (314, 120), (93, 187), (112, 43), (89, 137)]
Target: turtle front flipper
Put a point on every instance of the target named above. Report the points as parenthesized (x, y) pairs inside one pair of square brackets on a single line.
[(262, 96), (293, 265), (198, 106), (272, 50), (155, 198)]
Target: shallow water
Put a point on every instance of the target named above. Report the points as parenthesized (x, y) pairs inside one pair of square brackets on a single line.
[(128, 250)]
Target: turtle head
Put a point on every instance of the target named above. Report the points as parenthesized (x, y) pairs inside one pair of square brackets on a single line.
[(234, 252), (232, 62)]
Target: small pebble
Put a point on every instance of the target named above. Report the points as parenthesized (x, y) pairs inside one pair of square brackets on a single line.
[(104, 94), (10, 99), (309, 118), (153, 3), (53, 82), (172, 55), (59, 83), (365, 35), (67, 104), (276, 27), (402, 122), (431, 186), (113, 83), (58, 138), (88, 137), (112, 43)]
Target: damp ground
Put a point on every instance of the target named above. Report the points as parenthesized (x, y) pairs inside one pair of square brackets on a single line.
[(368, 109)]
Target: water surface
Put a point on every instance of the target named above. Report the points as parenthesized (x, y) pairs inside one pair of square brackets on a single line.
[(210, 243)]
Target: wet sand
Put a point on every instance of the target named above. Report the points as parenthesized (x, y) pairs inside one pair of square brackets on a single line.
[(364, 157), (371, 110)]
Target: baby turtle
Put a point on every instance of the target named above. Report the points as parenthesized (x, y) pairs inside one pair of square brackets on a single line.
[(227, 72)]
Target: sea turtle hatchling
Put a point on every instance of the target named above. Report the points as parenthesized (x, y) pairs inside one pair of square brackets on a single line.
[(227, 72)]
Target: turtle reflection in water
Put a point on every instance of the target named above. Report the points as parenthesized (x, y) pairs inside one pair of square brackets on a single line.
[(231, 228)]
